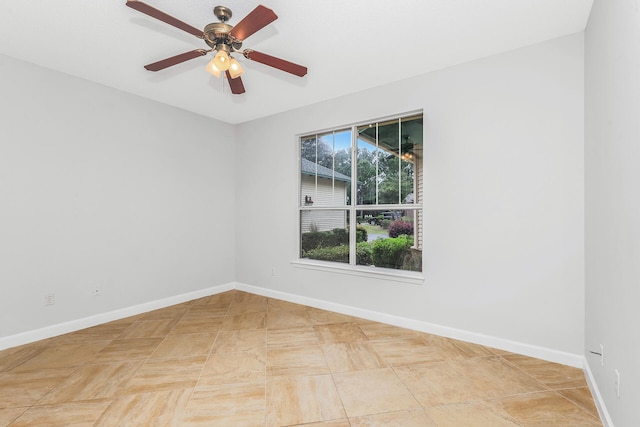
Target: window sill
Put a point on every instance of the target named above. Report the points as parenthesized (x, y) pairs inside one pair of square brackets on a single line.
[(412, 277)]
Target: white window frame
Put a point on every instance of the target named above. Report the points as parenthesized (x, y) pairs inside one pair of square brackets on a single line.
[(405, 276)]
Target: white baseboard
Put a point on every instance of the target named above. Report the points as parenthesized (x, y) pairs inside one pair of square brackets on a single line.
[(570, 359), (597, 397), (87, 322)]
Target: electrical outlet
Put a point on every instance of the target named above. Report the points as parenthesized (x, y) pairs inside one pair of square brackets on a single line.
[(617, 382), (50, 299), (273, 271), (97, 291)]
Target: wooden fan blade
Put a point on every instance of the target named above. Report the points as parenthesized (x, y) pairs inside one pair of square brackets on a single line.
[(161, 65), (257, 19), (235, 84), (274, 62), (158, 14)]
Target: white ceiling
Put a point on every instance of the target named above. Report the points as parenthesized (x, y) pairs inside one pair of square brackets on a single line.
[(348, 46)]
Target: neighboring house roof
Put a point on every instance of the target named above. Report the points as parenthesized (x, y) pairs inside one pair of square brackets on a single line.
[(310, 168)]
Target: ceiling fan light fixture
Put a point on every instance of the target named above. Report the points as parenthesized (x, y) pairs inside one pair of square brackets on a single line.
[(235, 69), (222, 60), (211, 67)]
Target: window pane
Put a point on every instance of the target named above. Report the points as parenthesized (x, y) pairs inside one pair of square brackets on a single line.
[(325, 235), (367, 162), (387, 156), (326, 169), (388, 239)]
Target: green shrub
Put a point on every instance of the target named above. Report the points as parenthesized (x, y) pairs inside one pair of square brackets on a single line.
[(385, 223), (390, 252), (341, 254), (324, 239), (333, 253), (361, 234), (363, 253)]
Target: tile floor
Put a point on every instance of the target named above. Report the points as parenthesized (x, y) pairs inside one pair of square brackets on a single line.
[(237, 359)]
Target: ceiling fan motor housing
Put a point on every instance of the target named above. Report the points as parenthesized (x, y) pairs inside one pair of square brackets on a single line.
[(217, 33)]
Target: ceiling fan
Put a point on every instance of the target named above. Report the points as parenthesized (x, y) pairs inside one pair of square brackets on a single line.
[(225, 40)]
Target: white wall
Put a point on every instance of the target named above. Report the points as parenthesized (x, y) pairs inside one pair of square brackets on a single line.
[(503, 239), (612, 155), (102, 188)]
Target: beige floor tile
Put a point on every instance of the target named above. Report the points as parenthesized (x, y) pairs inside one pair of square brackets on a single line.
[(292, 337), (244, 419), (222, 299), (300, 400), (332, 423), (132, 349), (334, 333), (324, 317), (184, 346), (455, 349), (406, 351), (467, 349), (229, 404), (63, 356), (581, 397), (27, 388), (554, 375), (248, 298), (437, 383), (163, 408), (308, 360), (198, 324), (148, 328), (63, 414), (237, 307), (280, 305), (231, 368), (92, 381), (166, 374), (356, 356), (237, 359), (496, 377), (288, 319), (499, 351), (207, 310), (252, 340), (16, 356), (476, 414), (106, 332), (415, 418), (172, 312), (254, 320), (545, 409), (8, 415), (379, 331), (373, 392)]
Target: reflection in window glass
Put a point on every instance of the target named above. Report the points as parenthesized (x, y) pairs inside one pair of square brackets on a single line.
[(326, 169), (386, 155)]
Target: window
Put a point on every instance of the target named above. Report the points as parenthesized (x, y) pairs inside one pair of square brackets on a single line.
[(360, 195)]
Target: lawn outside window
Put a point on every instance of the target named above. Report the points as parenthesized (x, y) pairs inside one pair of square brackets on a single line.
[(360, 199)]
